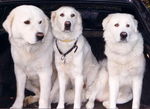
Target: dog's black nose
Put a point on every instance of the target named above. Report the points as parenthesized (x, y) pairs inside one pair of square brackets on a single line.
[(123, 35), (39, 36), (67, 25)]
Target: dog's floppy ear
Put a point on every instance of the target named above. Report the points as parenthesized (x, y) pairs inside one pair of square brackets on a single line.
[(78, 25), (106, 21), (47, 24), (135, 23), (53, 16), (7, 24), (79, 19)]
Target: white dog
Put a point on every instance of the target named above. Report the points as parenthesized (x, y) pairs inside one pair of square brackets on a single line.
[(125, 66), (74, 60), (31, 47)]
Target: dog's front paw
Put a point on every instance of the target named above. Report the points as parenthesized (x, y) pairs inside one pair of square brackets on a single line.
[(43, 105), (76, 107), (112, 108), (16, 107), (60, 106), (90, 105), (12, 107), (106, 105)]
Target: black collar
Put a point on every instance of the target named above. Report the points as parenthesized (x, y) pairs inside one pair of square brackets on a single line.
[(73, 47)]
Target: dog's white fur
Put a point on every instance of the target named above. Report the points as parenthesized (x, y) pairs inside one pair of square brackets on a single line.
[(32, 58), (125, 64), (81, 66)]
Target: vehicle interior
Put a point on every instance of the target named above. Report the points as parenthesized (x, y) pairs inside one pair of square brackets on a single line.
[(92, 15)]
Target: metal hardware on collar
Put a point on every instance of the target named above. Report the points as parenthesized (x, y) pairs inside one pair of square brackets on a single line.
[(64, 54), (63, 59)]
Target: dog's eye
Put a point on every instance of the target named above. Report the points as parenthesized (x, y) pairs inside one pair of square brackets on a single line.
[(116, 25), (40, 21), (62, 15), (27, 22), (72, 15), (127, 25)]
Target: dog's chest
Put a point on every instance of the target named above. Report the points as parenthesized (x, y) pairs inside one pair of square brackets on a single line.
[(125, 72), (68, 65), (31, 71), (65, 53), (67, 60), (25, 58), (70, 70), (119, 59), (29, 62)]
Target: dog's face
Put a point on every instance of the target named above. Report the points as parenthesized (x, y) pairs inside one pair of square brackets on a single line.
[(120, 28), (27, 23), (66, 20)]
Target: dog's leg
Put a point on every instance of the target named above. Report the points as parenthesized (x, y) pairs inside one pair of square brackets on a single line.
[(20, 80), (45, 87), (113, 91), (62, 87), (137, 87), (54, 94), (78, 91), (97, 88), (91, 95)]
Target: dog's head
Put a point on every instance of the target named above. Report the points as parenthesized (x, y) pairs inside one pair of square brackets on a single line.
[(120, 28), (66, 21), (27, 23)]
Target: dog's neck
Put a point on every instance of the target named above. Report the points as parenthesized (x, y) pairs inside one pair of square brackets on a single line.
[(20, 43), (66, 36), (64, 54), (65, 45), (65, 41), (120, 49)]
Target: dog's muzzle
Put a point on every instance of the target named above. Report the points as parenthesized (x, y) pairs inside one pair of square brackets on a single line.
[(39, 36), (123, 36), (67, 25)]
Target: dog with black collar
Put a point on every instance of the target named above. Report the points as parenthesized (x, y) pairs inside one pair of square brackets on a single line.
[(75, 63)]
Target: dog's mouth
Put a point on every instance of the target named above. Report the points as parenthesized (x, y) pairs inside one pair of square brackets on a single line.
[(123, 41), (67, 31), (35, 43), (67, 28)]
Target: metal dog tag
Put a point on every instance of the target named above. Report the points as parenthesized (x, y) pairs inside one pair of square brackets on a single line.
[(63, 59)]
